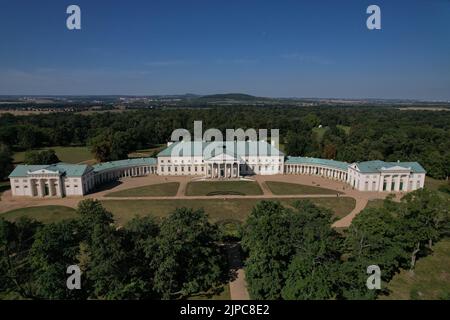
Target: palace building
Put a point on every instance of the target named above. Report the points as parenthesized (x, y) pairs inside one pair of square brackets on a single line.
[(214, 160)]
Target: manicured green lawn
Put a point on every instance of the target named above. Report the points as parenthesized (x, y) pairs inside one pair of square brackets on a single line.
[(217, 209), (65, 154), (45, 214), (431, 278), (155, 190), (284, 188), (376, 203), (205, 188)]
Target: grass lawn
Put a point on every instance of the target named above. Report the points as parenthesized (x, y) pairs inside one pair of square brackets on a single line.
[(146, 152), (204, 188), (45, 214), (345, 128), (222, 293), (217, 209), (434, 184), (319, 132), (431, 278), (376, 203), (155, 190), (284, 188), (65, 154)]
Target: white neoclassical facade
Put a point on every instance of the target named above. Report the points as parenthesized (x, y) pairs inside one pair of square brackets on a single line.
[(375, 176), (220, 159), (65, 180), (214, 160)]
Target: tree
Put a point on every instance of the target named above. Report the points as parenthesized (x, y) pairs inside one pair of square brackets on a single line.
[(312, 272), (55, 248), (107, 263), (269, 249), (189, 259), (16, 239), (41, 157), (92, 213), (101, 147), (371, 240), (109, 146), (6, 161), (424, 217)]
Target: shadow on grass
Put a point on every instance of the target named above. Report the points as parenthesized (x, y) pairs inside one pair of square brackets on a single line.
[(108, 186)]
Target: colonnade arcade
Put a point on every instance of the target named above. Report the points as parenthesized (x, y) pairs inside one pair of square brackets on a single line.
[(331, 173), (225, 169), (46, 186), (118, 173)]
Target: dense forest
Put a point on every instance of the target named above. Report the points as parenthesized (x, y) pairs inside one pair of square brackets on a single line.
[(341, 133), (291, 253)]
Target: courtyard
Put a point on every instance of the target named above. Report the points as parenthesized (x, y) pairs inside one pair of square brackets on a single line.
[(222, 200)]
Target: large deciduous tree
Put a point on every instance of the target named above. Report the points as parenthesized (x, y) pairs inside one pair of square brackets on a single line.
[(188, 259)]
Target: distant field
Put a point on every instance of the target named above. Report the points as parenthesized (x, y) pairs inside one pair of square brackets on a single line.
[(284, 188), (217, 209), (65, 154), (431, 279), (45, 214), (155, 190), (205, 188)]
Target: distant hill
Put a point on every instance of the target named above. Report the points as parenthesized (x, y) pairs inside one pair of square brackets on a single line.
[(230, 96)]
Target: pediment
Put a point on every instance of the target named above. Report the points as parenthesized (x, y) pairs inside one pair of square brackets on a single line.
[(396, 168), (44, 171), (223, 157)]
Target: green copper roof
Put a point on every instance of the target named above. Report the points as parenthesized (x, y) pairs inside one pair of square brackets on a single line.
[(210, 149), (378, 165), (316, 161), (70, 170), (124, 164)]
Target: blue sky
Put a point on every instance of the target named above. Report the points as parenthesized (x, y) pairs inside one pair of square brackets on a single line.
[(268, 48)]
